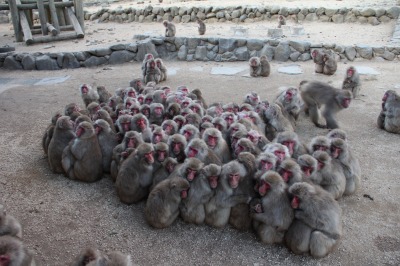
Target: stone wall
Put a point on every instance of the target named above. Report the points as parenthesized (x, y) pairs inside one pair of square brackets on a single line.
[(244, 14), (190, 49)]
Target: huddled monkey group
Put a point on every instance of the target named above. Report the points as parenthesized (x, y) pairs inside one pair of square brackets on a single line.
[(221, 163)]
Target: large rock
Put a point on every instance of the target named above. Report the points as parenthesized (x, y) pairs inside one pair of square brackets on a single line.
[(255, 44), (192, 43), (226, 45), (242, 54), (311, 17), (146, 47), (45, 62), (186, 18), (364, 51), (11, 63), (119, 57), (118, 47), (294, 56), (330, 11), (201, 53), (182, 53), (132, 47), (268, 51), (368, 12), (236, 14), (393, 12), (69, 61), (28, 62), (94, 61), (338, 18), (300, 46), (100, 52), (282, 52)]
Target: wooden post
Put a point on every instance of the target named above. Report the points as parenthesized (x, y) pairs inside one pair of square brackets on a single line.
[(66, 16), (63, 37), (25, 25), (42, 16), (52, 29), (28, 14), (75, 23), (60, 15), (15, 20), (79, 13), (54, 18)]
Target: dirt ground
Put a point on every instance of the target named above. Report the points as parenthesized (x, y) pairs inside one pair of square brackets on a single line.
[(61, 217)]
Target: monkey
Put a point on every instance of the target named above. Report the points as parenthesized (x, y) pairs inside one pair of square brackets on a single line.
[(255, 67), (318, 59), (277, 215), (135, 175), (252, 98), (229, 117), (48, 133), (158, 135), (145, 110), (162, 206), (140, 123), (228, 194), (139, 86), (159, 96), (265, 161), (276, 121), (93, 257), (137, 83), (130, 92), (337, 133), (81, 119), (104, 94), (329, 175), (317, 227), (319, 143), (163, 69), (161, 151), (198, 148), (180, 121), (62, 135), (107, 141), (120, 92), (214, 140), (177, 144), (9, 225), (308, 166), (153, 73), (189, 132), (170, 127), (245, 107), (258, 139), (351, 167), (124, 124), (167, 168), (281, 21), (185, 111), (73, 111), (103, 114), (215, 110), (242, 133), (193, 119), (13, 252), (220, 124), (317, 93), (82, 158), (256, 206), (199, 96), (245, 145), (204, 126), (172, 110), (290, 171), (197, 109), (170, 29), (88, 94), (389, 117), (114, 101), (156, 113), (201, 26), (87, 256), (330, 64), (92, 108), (292, 142), (128, 102), (265, 66), (351, 81), (280, 151), (290, 100), (212, 173)]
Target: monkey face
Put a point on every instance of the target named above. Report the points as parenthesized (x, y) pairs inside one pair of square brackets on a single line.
[(149, 157), (212, 141), (295, 202), (192, 152), (280, 155), (213, 181), (190, 174), (290, 145), (233, 180), (286, 174), (263, 188), (266, 165), (161, 155), (84, 89), (307, 170), (335, 151)]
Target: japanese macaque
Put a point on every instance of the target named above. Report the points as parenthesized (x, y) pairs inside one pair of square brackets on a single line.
[(337, 133), (158, 135), (317, 227), (189, 132), (290, 171), (292, 142), (137, 83), (197, 108), (308, 166), (257, 138), (156, 113), (135, 175), (107, 141), (9, 225), (317, 93), (220, 124), (318, 59), (204, 126), (163, 69), (252, 98), (329, 175), (147, 57), (170, 127), (245, 145), (172, 110), (114, 101), (152, 72), (167, 167), (229, 118), (215, 110), (13, 252), (86, 257), (351, 167), (280, 151), (242, 133), (351, 81), (145, 110), (281, 21), (80, 119), (255, 206), (120, 92), (255, 67), (177, 144), (161, 151), (193, 119), (48, 133), (103, 114), (291, 101), (245, 107), (201, 26), (93, 257), (162, 206), (124, 124), (214, 140), (265, 66), (389, 117), (104, 94), (159, 96), (88, 94), (228, 194), (73, 111), (92, 108), (199, 96), (170, 29), (277, 215), (140, 124), (62, 135), (198, 148), (330, 64), (265, 161), (319, 143), (276, 120), (82, 158)]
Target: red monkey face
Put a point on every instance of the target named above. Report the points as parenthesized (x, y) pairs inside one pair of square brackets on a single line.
[(307, 170), (290, 145), (141, 124), (84, 89), (280, 154), (97, 129), (335, 152), (192, 152), (212, 141), (176, 147), (213, 181), (266, 165), (234, 180), (295, 202), (79, 131), (286, 175), (157, 138), (126, 126), (187, 134), (149, 157), (346, 102), (161, 155), (184, 194), (263, 188), (320, 165), (190, 174), (131, 143)]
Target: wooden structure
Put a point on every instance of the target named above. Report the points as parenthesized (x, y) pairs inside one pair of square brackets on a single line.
[(55, 16)]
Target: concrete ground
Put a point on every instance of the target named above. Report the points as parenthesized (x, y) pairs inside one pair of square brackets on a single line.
[(61, 217)]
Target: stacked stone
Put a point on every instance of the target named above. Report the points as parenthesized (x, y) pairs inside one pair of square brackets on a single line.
[(245, 14), (190, 49)]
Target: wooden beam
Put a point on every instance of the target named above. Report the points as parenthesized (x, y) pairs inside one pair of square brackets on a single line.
[(75, 23), (4, 7), (62, 37), (52, 29), (79, 13), (42, 16), (54, 18), (60, 15), (25, 25), (15, 20), (37, 30), (35, 6)]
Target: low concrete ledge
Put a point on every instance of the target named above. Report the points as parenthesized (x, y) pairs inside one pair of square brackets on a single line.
[(190, 49)]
